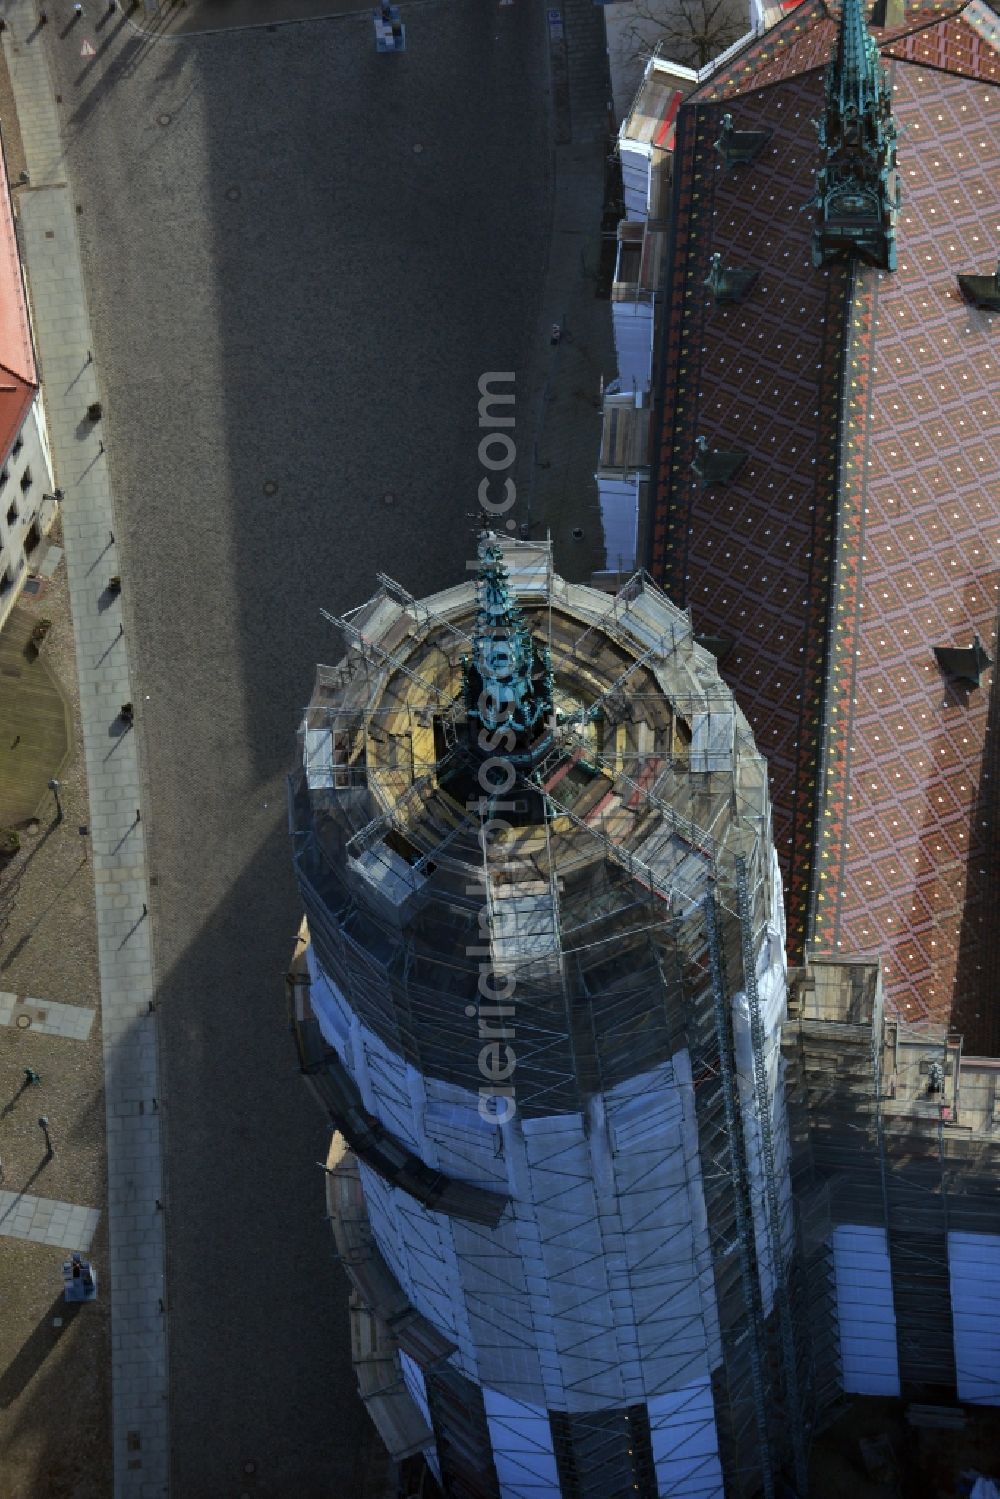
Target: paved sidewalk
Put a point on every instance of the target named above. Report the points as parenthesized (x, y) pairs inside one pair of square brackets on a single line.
[(46, 1017), (48, 1221), (62, 331)]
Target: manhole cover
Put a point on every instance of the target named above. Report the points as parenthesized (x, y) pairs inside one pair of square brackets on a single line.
[(270, 487), (23, 1022), (417, 150), (577, 533), (511, 525), (234, 194), (164, 119), (388, 498), (250, 1467)]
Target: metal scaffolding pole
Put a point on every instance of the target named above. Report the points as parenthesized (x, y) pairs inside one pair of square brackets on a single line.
[(741, 1189), (763, 1101)]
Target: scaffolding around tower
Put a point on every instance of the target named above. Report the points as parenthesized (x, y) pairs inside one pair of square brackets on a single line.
[(615, 874)]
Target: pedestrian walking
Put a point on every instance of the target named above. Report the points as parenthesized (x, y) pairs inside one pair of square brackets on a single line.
[(31, 1078), (78, 11), (43, 1125)]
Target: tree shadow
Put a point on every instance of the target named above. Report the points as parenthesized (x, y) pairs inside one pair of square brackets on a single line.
[(14, 1100), (32, 1354), (23, 941)]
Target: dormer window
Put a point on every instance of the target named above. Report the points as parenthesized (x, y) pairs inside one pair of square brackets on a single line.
[(964, 663), (12, 513)]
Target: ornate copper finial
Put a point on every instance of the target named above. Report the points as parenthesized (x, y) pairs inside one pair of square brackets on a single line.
[(508, 678)]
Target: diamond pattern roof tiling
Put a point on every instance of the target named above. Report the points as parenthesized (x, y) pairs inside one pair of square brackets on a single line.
[(864, 526), (928, 573)]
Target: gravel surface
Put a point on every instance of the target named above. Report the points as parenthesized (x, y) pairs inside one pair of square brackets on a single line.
[(292, 307)]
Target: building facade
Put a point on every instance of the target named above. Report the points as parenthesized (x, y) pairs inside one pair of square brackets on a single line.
[(27, 505)]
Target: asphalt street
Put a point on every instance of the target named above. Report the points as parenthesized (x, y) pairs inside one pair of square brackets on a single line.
[(300, 258)]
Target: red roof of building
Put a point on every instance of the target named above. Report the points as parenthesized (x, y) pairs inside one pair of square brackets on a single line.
[(863, 529), (18, 376)]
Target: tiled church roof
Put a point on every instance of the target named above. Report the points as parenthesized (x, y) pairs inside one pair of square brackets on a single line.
[(864, 526)]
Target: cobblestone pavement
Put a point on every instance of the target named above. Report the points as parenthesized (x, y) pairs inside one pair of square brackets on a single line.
[(48, 241), (565, 402), (178, 17), (300, 257)]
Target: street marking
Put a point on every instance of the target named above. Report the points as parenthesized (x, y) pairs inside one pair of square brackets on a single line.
[(88, 50)]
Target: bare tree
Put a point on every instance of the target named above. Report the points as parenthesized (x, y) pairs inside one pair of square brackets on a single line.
[(692, 32)]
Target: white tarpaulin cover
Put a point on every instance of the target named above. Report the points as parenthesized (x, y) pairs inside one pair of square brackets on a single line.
[(865, 1311), (685, 1444), (974, 1262), (522, 1447)]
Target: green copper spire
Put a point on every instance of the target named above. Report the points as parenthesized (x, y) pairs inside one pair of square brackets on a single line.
[(508, 679), (855, 202), (856, 66)]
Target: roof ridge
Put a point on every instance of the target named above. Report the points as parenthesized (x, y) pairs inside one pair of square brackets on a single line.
[(793, 21), (891, 34)]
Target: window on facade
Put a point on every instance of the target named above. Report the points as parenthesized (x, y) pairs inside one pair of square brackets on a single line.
[(4, 476), (18, 445), (12, 514), (5, 580), (26, 481)]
